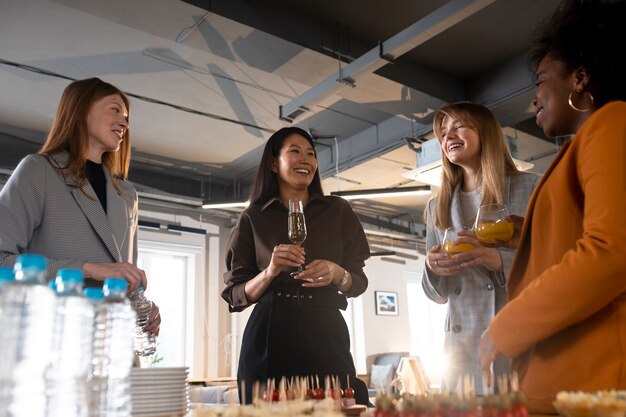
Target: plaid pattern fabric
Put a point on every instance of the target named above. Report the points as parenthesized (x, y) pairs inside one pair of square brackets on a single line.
[(474, 295), (43, 212)]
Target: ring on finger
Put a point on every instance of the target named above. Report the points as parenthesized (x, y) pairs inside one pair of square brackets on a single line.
[(437, 262)]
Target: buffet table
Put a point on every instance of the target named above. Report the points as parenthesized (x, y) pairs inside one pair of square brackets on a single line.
[(202, 413)]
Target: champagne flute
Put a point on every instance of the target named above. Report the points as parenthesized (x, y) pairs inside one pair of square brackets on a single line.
[(491, 227), (296, 226), (450, 236)]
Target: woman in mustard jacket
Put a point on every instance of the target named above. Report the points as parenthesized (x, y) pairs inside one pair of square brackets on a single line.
[(565, 323)]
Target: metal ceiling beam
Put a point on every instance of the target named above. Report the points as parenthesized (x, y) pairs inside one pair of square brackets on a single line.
[(416, 34), (504, 82), (507, 90), (311, 33), (371, 142)]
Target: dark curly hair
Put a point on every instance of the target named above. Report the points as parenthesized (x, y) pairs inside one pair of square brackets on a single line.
[(588, 34)]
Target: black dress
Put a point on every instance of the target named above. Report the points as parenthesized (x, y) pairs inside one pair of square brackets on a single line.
[(296, 331)]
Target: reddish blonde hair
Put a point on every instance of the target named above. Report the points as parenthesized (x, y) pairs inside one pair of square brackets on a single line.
[(69, 131)]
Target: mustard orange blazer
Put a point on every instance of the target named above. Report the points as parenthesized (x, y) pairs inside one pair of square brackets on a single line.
[(565, 323)]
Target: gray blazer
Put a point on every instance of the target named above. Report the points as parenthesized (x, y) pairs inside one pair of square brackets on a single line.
[(43, 212), (474, 295)]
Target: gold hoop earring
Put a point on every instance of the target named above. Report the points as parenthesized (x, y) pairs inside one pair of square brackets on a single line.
[(571, 104)]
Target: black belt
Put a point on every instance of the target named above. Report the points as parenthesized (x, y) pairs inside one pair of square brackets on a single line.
[(304, 297)]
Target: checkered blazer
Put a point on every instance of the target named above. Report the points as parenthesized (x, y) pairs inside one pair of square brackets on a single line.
[(43, 212), (474, 295)]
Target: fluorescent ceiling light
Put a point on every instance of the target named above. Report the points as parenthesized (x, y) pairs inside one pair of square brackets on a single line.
[(179, 228), (393, 260), (145, 224), (383, 192), (382, 253), (226, 204), (431, 173)]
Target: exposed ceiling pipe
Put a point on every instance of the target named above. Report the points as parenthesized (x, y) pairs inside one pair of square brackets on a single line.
[(418, 33)]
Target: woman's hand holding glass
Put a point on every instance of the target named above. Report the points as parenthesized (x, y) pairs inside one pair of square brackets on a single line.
[(284, 257), (441, 259), (478, 256), (462, 249), (493, 226), (454, 243), (438, 262), (517, 222), (320, 273)]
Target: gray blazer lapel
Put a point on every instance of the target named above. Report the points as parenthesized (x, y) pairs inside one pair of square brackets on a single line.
[(506, 193), (98, 219), (119, 212), (91, 207)]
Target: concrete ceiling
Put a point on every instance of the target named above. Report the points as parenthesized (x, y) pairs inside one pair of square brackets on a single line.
[(207, 79)]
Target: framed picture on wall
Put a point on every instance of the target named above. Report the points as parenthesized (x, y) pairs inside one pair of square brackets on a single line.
[(386, 303)]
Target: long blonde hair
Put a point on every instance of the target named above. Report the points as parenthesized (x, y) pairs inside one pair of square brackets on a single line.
[(495, 158), (69, 132)]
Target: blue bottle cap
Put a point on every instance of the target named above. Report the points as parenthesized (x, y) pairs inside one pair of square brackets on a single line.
[(6, 274), (70, 275), (27, 261), (95, 294), (114, 285)]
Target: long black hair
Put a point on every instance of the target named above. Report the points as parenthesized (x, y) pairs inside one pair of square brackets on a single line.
[(266, 184), (588, 34)]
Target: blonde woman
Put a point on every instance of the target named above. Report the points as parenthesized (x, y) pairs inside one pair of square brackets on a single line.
[(477, 169)]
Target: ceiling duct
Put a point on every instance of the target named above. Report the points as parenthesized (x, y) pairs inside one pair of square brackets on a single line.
[(429, 168), (385, 52)]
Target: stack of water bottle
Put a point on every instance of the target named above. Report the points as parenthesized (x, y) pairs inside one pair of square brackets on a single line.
[(64, 353)]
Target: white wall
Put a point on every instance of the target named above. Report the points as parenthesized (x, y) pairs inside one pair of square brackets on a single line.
[(386, 333)]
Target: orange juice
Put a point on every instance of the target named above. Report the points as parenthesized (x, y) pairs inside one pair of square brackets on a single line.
[(490, 232), (450, 248)]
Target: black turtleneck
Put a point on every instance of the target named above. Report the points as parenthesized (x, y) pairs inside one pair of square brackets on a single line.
[(95, 175)]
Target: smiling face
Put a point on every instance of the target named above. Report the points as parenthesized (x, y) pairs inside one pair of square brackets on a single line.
[(295, 164), (460, 142), (554, 85), (107, 122)]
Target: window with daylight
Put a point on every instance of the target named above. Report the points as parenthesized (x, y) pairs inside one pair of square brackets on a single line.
[(427, 333), (171, 275)]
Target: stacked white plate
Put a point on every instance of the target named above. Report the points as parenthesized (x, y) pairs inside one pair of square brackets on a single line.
[(159, 392)]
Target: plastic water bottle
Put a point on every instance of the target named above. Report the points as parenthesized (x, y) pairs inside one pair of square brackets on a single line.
[(26, 329), (71, 349), (94, 295), (112, 352), (6, 276), (144, 343)]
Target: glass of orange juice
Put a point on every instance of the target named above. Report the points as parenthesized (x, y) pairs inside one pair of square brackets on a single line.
[(449, 238), (491, 226)]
